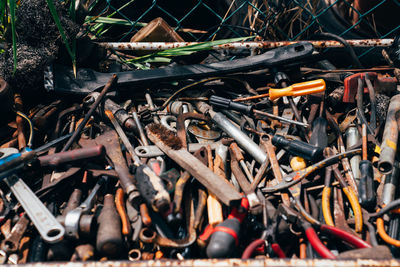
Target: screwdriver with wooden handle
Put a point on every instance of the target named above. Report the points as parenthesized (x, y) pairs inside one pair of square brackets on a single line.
[(297, 89), (148, 183)]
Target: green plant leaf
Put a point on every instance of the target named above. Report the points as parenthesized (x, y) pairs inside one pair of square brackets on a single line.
[(13, 6), (98, 27), (112, 21), (72, 9), (184, 51), (72, 15), (53, 12), (3, 17)]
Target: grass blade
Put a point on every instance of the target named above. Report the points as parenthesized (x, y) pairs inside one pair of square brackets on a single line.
[(184, 51), (72, 15), (3, 17), (53, 12), (99, 27), (112, 21)]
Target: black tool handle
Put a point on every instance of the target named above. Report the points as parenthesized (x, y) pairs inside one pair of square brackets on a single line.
[(224, 103), (366, 188), (319, 137), (298, 148), (88, 80), (152, 188)]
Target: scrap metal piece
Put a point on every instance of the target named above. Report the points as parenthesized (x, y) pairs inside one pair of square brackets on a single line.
[(88, 80)]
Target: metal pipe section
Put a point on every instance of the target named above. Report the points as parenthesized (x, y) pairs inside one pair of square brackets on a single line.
[(391, 183), (352, 137), (390, 136), (241, 138), (159, 46)]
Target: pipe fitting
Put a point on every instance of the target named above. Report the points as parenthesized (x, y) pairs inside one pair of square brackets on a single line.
[(390, 136)]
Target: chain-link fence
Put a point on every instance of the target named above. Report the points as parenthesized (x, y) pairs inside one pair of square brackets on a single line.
[(204, 20)]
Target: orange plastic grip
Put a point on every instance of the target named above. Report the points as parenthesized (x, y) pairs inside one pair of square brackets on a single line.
[(109, 114), (299, 89)]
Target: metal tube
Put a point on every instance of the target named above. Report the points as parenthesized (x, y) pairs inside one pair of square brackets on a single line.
[(391, 183), (158, 46), (120, 114), (241, 138), (352, 137), (390, 135), (272, 116)]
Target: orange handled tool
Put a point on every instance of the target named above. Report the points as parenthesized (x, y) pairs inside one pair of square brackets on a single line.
[(120, 205), (297, 89)]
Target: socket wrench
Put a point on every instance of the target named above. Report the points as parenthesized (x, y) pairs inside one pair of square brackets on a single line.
[(73, 217)]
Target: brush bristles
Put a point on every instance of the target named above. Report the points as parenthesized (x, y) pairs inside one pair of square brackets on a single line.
[(168, 137)]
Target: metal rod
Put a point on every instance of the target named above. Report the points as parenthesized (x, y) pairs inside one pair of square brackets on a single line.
[(123, 137), (140, 129), (272, 116), (106, 88), (158, 46), (241, 138)]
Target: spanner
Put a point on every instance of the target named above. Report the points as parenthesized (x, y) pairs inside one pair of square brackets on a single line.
[(154, 151), (11, 242), (47, 225)]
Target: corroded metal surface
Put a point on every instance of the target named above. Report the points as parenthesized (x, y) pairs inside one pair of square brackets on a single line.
[(156, 46), (227, 262)]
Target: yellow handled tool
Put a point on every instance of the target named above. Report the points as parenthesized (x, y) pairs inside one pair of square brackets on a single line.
[(326, 197), (297, 89)]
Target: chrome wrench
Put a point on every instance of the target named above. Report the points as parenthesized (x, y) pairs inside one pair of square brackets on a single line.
[(47, 225)]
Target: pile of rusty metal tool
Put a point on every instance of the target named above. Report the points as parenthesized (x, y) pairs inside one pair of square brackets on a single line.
[(276, 155)]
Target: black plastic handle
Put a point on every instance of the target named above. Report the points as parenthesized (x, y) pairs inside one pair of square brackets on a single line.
[(221, 102), (366, 188), (298, 148), (89, 80)]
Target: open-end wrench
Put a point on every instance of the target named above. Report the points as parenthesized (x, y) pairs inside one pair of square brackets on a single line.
[(154, 151), (11, 242), (47, 225)]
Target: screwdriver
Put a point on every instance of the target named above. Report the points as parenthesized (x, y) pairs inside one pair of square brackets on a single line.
[(297, 89), (149, 184), (319, 137), (366, 188), (298, 148), (224, 103)]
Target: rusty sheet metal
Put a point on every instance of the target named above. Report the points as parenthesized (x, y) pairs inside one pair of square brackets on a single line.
[(223, 263), (157, 46)]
